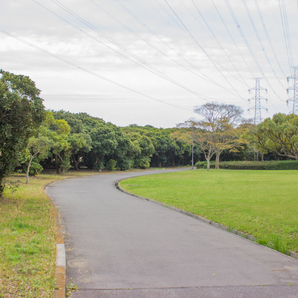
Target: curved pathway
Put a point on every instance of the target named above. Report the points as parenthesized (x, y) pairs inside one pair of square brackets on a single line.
[(121, 246)]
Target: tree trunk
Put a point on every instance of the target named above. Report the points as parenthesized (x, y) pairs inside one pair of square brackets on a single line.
[(217, 155), (208, 163), (57, 165), (76, 162), (28, 169), (59, 169)]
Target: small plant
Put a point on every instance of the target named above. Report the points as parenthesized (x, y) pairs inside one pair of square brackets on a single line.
[(262, 242), (277, 244), (70, 288), (11, 185)]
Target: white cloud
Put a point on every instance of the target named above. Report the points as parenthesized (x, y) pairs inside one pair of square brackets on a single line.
[(163, 39)]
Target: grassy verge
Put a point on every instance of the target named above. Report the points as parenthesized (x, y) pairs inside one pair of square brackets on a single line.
[(261, 203), (27, 238)]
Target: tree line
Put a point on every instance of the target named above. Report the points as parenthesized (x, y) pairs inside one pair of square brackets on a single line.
[(32, 138), (78, 140)]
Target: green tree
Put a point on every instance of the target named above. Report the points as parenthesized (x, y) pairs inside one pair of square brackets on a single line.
[(60, 148), (142, 145), (21, 111), (279, 135), (103, 141), (78, 139), (218, 131), (57, 130), (39, 146)]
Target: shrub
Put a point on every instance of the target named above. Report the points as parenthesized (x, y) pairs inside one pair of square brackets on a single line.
[(111, 165), (144, 163), (124, 164), (35, 169), (252, 165)]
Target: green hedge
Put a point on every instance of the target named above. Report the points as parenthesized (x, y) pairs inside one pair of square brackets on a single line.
[(252, 165)]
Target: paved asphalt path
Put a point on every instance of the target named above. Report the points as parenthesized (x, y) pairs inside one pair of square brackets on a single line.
[(122, 246)]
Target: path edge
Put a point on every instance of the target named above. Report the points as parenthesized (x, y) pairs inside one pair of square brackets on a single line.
[(60, 271), (203, 219)]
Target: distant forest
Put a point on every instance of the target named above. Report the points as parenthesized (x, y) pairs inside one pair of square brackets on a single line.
[(82, 141)]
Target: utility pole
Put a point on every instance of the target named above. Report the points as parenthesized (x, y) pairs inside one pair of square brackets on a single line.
[(257, 108), (257, 99), (294, 99)]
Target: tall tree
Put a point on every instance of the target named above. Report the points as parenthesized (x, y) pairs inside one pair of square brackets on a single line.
[(79, 140), (21, 111), (217, 128)]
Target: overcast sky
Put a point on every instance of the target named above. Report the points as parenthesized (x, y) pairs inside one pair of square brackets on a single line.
[(151, 61)]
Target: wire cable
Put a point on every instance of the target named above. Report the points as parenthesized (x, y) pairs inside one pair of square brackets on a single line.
[(286, 32), (202, 49), (248, 46), (139, 61), (231, 36), (168, 45), (268, 37), (201, 15), (86, 70), (260, 41), (154, 47)]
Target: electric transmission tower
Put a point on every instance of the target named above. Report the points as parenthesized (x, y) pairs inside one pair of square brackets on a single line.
[(294, 99), (257, 99)]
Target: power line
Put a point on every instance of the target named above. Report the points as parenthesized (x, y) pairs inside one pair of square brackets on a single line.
[(202, 49), (218, 41), (286, 32), (248, 46), (168, 14), (154, 47), (226, 27), (260, 40), (268, 37), (139, 61), (86, 70), (169, 46)]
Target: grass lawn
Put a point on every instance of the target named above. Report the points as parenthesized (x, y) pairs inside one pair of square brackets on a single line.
[(28, 239), (261, 203)]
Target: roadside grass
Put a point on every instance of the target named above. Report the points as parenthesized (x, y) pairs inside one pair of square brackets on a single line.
[(27, 237), (263, 204)]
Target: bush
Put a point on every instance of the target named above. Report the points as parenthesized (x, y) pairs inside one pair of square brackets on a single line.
[(111, 165), (201, 165), (124, 164), (99, 166), (144, 163), (35, 169), (252, 165)]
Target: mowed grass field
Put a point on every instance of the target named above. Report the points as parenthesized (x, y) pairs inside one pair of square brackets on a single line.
[(263, 204)]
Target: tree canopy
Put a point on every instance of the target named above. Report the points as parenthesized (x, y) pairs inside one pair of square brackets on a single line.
[(21, 111), (278, 135), (216, 131)]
